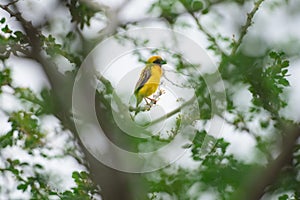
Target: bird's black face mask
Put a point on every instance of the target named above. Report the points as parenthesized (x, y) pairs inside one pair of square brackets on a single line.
[(160, 62)]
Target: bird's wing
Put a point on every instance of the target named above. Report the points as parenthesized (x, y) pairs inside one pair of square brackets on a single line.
[(144, 77)]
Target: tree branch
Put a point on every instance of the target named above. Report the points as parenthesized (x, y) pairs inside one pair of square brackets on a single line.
[(210, 36), (170, 114), (257, 188), (246, 26)]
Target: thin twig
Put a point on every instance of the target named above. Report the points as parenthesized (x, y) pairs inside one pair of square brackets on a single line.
[(11, 3), (176, 84), (210, 36), (170, 114), (244, 29)]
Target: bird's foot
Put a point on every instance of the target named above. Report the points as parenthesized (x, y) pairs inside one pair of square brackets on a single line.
[(146, 101), (152, 100), (161, 92)]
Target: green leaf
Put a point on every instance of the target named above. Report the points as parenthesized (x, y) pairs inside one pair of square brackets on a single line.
[(38, 166), (76, 176), (52, 193), (6, 29), (264, 124), (5, 77), (15, 162), (6, 140), (283, 82), (222, 144), (205, 11), (67, 194), (285, 64), (22, 187), (283, 197), (273, 55), (24, 164), (2, 21), (19, 34), (284, 72), (14, 171), (196, 6)]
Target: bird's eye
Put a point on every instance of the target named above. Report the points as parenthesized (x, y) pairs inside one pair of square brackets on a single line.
[(157, 61)]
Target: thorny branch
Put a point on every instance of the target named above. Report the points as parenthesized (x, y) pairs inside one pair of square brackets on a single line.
[(245, 28), (210, 36)]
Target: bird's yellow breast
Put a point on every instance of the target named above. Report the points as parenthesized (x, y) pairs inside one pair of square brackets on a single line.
[(152, 84)]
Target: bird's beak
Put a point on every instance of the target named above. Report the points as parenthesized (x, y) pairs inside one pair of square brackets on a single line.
[(163, 62)]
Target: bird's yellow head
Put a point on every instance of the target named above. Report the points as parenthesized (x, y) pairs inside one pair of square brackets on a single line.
[(156, 60)]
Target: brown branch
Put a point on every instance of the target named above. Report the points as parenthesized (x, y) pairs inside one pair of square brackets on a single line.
[(257, 188), (111, 181)]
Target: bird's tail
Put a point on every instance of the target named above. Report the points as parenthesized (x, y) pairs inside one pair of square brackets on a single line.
[(138, 101)]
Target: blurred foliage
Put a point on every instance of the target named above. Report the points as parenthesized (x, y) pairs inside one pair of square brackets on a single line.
[(28, 129), (81, 12), (11, 42), (266, 80), (217, 172), (85, 187), (5, 78), (26, 134), (53, 49)]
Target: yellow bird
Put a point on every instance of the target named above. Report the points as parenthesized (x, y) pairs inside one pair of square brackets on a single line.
[(149, 79)]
